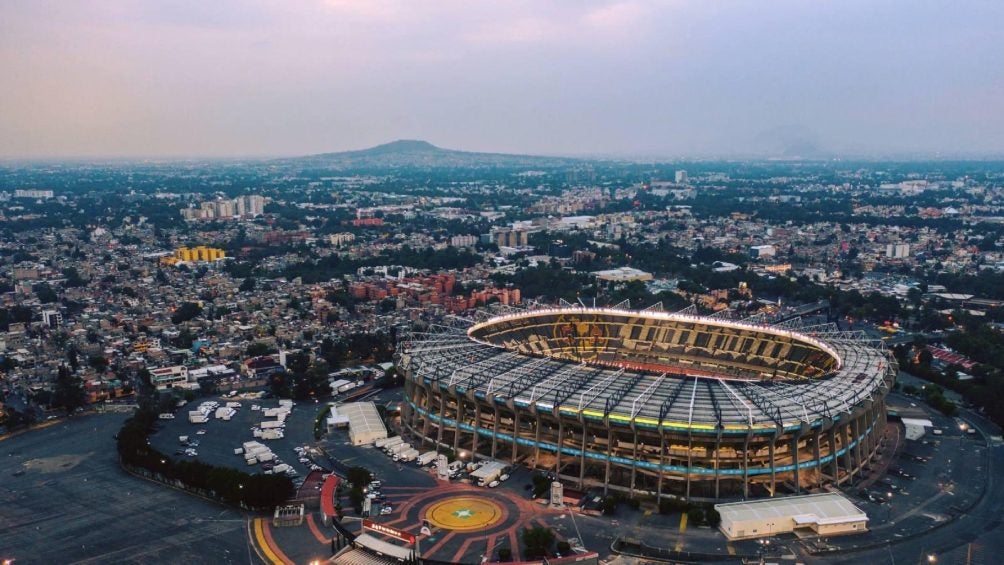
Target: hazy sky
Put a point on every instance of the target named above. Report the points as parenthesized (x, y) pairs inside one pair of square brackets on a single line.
[(677, 78)]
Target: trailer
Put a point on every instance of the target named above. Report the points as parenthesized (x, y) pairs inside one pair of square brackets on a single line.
[(489, 472), (266, 457), (239, 451), (271, 425), (272, 434), (390, 443), (382, 442), (347, 387), (426, 458), (281, 468), (336, 385), (398, 449), (251, 460), (407, 455)]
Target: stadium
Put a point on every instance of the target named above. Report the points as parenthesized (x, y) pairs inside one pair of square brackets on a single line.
[(652, 403)]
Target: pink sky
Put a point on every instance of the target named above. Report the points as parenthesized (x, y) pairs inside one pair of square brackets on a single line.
[(223, 78)]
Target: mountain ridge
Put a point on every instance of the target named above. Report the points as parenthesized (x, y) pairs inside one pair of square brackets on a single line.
[(417, 153)]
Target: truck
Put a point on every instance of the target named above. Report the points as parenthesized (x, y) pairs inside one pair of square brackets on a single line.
[(426, 458), (398, 449), (183, 439), (407, 455), (396, 440), (489, 472), (347, 387), (337, 385)]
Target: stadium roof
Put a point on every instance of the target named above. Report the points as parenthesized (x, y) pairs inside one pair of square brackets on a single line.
[(695, 401)]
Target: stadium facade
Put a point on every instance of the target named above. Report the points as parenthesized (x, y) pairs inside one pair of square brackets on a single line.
[(651, 402)]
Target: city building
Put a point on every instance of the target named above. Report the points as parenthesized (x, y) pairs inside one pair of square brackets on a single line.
[(463, 241), (681, 177), (897, 250), (247, 206), (340, 239), (52, 318), (164, 378), (762, 252), (194, 255), (509, 237), (43, 194)]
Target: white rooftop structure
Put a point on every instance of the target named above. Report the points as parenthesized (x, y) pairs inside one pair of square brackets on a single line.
[(824, 514), (915, 427), (365, 424), (623, 274), (384, 548)]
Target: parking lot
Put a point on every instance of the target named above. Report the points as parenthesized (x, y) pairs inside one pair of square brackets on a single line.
[(216, 440), (64, 499)]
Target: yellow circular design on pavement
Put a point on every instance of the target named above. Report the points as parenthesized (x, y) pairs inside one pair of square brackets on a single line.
[(464, 513)]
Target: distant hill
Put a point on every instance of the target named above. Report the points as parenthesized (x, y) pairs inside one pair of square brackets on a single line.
[(410, 153)]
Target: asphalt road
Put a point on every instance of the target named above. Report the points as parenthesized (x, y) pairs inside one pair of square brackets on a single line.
[(975, 537), (64, 499)]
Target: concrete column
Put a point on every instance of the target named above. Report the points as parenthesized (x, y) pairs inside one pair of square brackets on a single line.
[(536, 438), (794, 460), (561, 443), (773, 466), (610, 452), (690, 460), (815, 447), (495, 430), (746, 464), (459, 418), (515, 431), (662, 462)]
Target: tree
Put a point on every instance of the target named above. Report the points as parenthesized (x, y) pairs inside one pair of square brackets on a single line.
[(359, 476), (45, 293), (564, 548), (695, 515), (98, 362), (713, 517), (247, 285), (257, 349), (69, 391), (537, 541), (73, 278), (185, 312)]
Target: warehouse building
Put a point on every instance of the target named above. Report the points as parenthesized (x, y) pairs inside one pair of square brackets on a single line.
[(828, 514), (365, 424)]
